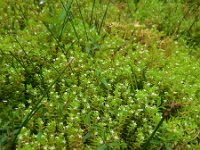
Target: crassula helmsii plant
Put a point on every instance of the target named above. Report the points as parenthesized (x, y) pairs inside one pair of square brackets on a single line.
[(86, 85)]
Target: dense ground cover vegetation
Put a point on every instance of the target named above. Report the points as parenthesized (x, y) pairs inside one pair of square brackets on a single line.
[(105, 74)]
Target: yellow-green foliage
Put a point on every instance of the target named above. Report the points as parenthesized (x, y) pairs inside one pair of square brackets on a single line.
[(98, 75)]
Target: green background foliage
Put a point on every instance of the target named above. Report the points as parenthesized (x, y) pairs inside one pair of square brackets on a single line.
[(104, 74)]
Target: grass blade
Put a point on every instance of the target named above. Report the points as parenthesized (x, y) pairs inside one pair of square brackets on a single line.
[(103, 18), (65, 21), (71, 21), (86, 34), (92, 13)]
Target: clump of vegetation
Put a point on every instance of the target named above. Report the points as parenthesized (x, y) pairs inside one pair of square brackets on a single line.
[(99, 75)]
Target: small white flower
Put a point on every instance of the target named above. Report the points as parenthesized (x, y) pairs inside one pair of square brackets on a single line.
[(26, 133), (112, 132), (41, 2), (45, 147), (153, 94), (5, 101), (52, 148), (63, 141), (20, 137), (116, 137), (144, 119), (140, 110), (80, 136), (101, 141), (148, 84)]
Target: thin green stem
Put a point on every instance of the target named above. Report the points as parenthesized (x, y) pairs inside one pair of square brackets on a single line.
[(86, 34), (65, 21), (145, 147), (103, 18), (92, 13), (71, 20)]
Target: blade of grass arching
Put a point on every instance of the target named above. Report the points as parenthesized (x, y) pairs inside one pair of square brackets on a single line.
[(179, 23), (58, 70), (70, 47), (71, 21), (192, 8), (145, 146), (58, 38), (23, 66), (196, 18), (92, 13), (46, 25), (27, 57), (96, 23), (37, 105), (20, 62), (170, 28), (57, 41), (65, 20), (74, 28), (104, 17), (134, 77), (86, 34), (193, 23), (24, 18), (136, 4)]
